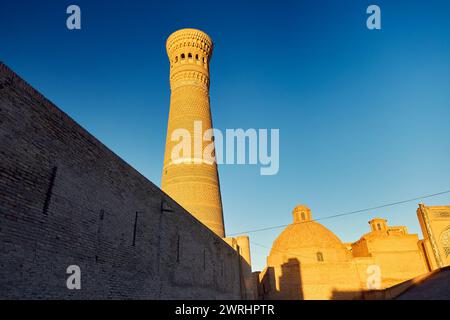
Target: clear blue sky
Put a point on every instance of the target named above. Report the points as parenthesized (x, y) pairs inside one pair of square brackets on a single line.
[(364, 116)]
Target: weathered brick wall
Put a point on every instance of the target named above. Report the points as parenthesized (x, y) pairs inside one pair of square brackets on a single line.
[(65, 199)]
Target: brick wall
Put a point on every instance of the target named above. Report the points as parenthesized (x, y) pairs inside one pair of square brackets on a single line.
[(66, 199)]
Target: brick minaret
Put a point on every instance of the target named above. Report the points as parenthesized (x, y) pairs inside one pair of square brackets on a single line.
[(192, 182)]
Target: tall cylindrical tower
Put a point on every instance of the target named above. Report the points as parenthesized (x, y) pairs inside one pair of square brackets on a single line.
[(191, 180)]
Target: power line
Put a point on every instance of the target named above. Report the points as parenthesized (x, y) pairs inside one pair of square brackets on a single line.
[(344, 214)]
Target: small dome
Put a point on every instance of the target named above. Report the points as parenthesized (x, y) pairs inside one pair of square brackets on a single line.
[(306, 240)]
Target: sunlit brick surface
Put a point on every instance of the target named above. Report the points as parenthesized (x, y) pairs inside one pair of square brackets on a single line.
[(194, 186)]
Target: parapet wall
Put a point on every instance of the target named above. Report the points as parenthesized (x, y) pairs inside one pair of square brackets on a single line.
[(66, 199)]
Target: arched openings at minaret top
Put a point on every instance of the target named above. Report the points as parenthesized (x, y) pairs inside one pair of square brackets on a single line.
[(189, 57)]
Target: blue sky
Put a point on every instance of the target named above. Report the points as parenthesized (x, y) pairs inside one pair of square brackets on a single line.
[(363, 115)]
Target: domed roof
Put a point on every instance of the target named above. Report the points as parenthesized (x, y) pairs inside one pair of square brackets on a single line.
[(305, 239)]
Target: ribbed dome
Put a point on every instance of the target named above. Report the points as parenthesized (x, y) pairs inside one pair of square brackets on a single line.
[(305, 239)]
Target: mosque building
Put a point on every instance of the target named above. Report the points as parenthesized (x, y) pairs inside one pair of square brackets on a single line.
[(308, 261)]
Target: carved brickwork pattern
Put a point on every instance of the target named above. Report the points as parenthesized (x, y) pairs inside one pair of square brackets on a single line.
[(445, 241)]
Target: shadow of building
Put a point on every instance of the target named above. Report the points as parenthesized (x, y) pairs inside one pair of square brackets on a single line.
[(283, 283)]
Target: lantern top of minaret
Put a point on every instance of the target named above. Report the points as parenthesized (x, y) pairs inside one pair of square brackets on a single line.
[(189, 38)]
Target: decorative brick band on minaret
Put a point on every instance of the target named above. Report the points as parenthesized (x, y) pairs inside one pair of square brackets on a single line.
[(195, 186)]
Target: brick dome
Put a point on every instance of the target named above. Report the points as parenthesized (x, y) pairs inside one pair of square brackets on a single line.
[(308, 241)]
